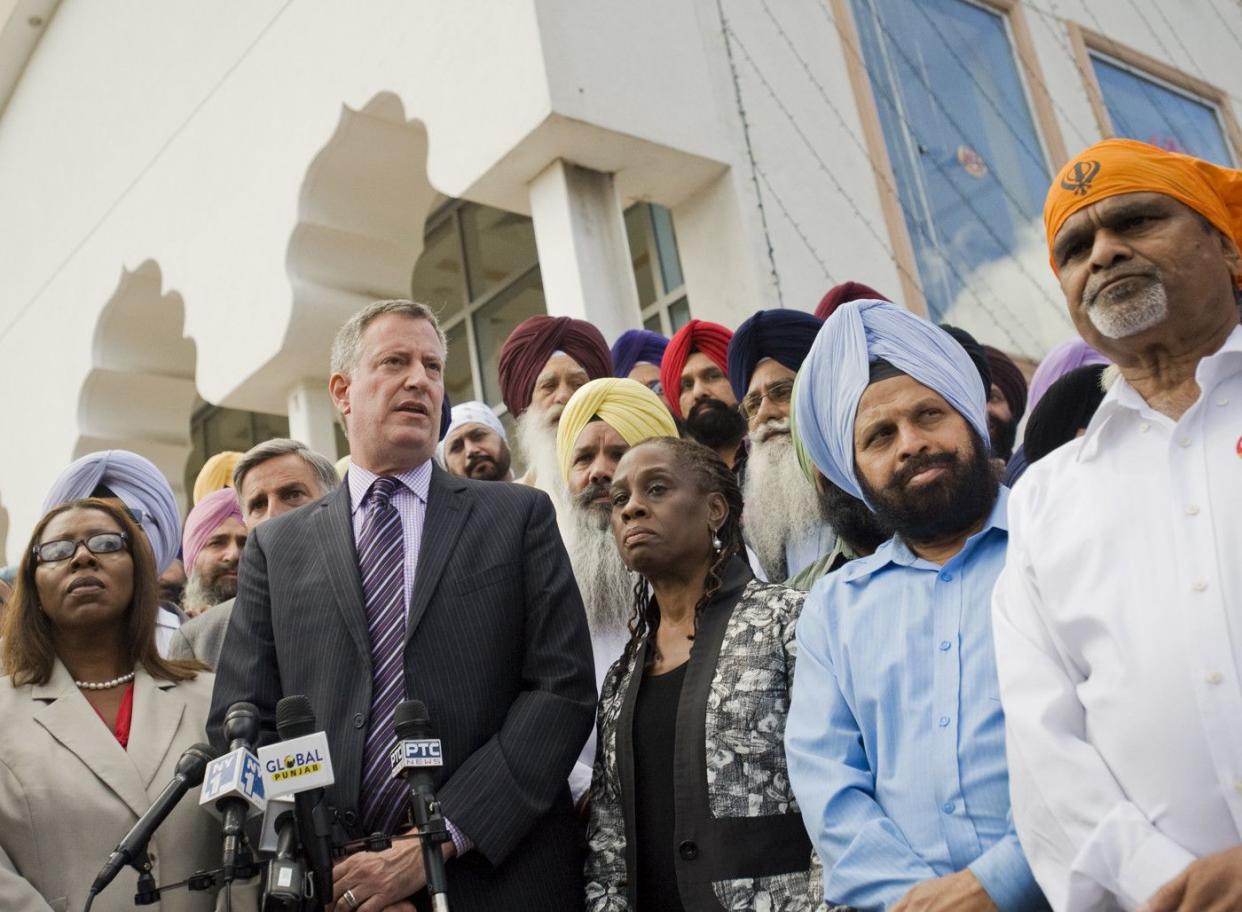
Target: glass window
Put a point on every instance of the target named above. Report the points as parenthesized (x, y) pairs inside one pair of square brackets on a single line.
[(497, 318), (440, 275), (666, 248), (653, 323), (970, 171), (214, 430), (678, 314), (499, 244), (458, 378), (1144, 109), (636, 221)]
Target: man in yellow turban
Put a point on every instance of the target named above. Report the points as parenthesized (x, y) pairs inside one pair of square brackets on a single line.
[(1118, 616), (601, 421), (216, 474)]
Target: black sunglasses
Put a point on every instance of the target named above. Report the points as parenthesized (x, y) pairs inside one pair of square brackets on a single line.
[(65, 548)]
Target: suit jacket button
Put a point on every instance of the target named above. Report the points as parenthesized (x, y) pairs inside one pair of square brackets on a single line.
[(688, 850), (359, 720), (350, 818)]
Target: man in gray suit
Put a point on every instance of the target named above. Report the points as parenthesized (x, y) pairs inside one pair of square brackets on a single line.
[(412, 583), (271, 479)]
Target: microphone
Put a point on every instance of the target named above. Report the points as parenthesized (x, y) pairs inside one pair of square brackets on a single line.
[(300, 765), (415, 759), (233, 789), (286, 872), (131, 849)]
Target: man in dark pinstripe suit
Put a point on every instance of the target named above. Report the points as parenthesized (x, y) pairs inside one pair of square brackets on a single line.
[(411, 583)]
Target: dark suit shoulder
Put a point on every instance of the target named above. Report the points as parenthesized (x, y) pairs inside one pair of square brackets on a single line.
[(507, 493)]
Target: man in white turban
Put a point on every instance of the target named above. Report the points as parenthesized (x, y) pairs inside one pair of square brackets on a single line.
[(475, 444)]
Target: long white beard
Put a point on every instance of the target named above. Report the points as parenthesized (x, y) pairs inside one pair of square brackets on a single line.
[(1119, 320), (537, 440), (781, 505), (606, 585), (199, 596)]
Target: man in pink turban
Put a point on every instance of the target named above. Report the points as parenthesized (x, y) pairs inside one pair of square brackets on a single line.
[(542, 363), (211, 548)]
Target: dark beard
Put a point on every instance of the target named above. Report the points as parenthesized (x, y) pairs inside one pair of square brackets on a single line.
[(482, 467), (852, 519), (715, 425), (942, 508), (1003, 434)]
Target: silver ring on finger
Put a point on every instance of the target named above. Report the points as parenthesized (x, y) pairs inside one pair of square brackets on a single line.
[(351, 900)]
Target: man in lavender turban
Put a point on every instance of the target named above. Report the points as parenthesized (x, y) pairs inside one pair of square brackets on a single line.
[(636, 354), (895, 412), (211, 548), (542, 363)]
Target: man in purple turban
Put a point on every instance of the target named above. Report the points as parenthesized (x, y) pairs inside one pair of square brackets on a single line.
[(637, 354), (1006, 401), (542, 363), (783, 523), (211, 548)]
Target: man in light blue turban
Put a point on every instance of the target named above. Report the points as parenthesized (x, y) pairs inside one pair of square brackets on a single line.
[(137, 483), (895, 737)]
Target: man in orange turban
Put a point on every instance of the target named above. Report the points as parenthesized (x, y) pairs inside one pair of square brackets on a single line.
[(1118, 616), (694, 374)]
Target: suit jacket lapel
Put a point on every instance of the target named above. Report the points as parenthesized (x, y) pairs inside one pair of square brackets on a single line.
[(160, 706), (335, 533), (74, 723), (448, 505)]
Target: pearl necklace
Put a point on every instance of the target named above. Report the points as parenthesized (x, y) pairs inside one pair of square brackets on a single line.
[(105, 685)]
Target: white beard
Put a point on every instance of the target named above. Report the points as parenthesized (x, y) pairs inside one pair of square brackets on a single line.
[(536, 434), (607, 586), (1120, 320), (781, 505)]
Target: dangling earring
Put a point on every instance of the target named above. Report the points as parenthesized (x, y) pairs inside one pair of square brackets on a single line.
[(716, 543)]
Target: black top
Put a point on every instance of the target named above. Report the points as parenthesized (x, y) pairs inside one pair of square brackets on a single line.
[(655, 724)]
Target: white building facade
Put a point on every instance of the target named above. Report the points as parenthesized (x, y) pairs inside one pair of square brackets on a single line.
[(194, 196)]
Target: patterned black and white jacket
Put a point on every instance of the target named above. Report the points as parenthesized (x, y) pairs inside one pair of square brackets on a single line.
[(740, 841)]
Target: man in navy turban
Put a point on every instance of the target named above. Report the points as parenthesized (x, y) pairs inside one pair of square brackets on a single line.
[(636, 355), (783, 522)]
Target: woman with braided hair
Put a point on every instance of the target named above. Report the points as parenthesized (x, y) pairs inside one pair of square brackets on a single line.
[(690, 803)]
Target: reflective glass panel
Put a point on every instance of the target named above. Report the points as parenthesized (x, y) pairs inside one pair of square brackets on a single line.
[(495, 320), (458, 382), (970, 171), (1143, 109), (440, 275), (636, 221), (499, 244)]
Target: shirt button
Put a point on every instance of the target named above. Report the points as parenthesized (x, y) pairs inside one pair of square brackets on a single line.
[(1223, 401), (359, 720), (1215, 677), (1199, 585), (688, 850), (1184, 442), (945, 645), (944, 720), (1192, 510), (1144, 427), (946, 577), (947, 807)]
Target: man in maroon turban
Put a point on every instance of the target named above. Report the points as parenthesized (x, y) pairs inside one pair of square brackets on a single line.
[(843, 293), (694, 374), (542, 363), (1006, 401)]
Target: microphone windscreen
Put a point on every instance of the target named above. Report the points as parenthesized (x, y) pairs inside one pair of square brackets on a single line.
[(294, 717), (242, 722), (193, 763), (412, 720)]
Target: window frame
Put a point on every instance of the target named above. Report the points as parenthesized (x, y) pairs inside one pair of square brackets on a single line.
[(1087, 44)]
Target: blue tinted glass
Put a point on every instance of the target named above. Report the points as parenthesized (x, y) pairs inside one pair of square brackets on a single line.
[(971, 174), (666, 246), (1145, 110)]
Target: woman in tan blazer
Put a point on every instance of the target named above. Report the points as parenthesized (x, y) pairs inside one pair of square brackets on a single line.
[(93, 720)]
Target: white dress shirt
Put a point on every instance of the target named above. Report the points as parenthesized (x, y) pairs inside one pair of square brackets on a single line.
[(1118, 626)]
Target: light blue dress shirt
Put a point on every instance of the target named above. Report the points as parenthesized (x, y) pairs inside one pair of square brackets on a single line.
[(895, 738)]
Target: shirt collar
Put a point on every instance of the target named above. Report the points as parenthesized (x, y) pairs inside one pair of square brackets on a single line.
[(416, 480), (1122, 397), (897, 553)]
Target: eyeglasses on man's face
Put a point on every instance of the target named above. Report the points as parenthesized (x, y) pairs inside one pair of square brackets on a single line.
[(778, 392), (64, 548)]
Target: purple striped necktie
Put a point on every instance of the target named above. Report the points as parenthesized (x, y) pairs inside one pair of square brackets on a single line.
[(381, 557)]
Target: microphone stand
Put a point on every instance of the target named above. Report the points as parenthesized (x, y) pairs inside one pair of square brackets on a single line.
[(432, 832), (148, 893)]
